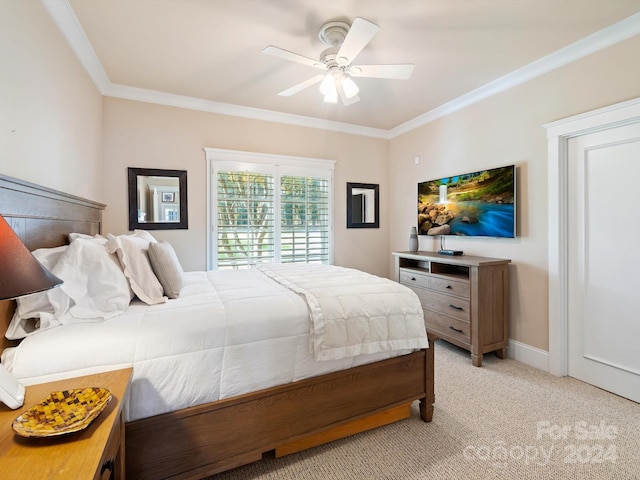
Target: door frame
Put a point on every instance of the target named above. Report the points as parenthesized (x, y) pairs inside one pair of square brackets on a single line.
[(558, 135)]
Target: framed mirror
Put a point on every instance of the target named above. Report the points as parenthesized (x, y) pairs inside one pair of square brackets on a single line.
[(157, 199), (363, 205)]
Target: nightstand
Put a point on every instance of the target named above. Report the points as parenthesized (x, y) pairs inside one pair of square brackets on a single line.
[(97, 452)]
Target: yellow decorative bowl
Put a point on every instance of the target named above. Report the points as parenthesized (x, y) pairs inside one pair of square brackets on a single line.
[(62, 412)]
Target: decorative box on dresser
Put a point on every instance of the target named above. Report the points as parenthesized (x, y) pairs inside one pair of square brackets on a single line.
[(97, 452), (465, 298)]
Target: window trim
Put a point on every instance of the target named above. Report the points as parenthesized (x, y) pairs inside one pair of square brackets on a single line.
[(218, 158)]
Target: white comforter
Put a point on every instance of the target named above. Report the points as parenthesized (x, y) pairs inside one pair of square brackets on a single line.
[(229, 332), (352, 312)]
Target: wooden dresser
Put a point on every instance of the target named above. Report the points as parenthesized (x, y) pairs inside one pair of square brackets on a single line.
[(97, 452), (465, 298)]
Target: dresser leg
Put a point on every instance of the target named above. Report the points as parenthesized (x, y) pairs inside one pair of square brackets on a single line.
[(476, 360), (501, 353)]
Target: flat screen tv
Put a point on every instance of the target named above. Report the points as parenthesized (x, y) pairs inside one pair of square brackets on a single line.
[(478, 204)]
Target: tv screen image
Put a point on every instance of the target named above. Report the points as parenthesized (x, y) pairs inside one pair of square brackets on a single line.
[(478, 204)]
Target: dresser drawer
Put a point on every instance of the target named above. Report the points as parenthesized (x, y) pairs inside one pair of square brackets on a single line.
[(453, 287), (448, 326), (446, 304), (410, 277)]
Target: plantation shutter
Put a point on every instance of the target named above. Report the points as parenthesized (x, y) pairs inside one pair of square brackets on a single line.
[(245, 219), (269, 209), (304, 219)]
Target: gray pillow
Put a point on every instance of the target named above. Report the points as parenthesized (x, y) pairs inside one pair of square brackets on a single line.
[(167, 268)]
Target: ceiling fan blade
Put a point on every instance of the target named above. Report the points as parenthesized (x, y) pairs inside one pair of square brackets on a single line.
[(301, 86), (360, 33), (398, 72), (293, 57)]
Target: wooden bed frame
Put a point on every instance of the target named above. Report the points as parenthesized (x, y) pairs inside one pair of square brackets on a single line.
[(199, 441)]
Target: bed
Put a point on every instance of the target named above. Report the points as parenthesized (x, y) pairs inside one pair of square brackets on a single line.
[(199, 438)]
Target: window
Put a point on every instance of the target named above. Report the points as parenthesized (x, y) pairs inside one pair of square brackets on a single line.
[(304, 219), (245, 219), (267, 208)]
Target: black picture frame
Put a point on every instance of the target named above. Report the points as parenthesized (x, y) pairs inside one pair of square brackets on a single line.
[(179, 198), (363, 205)]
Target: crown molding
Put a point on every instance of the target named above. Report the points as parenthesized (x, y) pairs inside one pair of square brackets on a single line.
[(68, 23), (192, 103), (622, 30)]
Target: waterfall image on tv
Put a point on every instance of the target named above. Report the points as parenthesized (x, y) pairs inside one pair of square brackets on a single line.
[(478, 204)]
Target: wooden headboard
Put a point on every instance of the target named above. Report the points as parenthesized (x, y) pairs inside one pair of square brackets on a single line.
[(43, 218)]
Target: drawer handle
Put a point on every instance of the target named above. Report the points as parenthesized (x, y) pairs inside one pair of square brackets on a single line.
[(449, 287), (413, 279), (455, 329), (108, 465), (455, 308)]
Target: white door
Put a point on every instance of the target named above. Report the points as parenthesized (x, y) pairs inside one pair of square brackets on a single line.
[(604, 260)]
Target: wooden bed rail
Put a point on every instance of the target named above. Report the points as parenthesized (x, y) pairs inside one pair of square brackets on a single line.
[(236, 431)]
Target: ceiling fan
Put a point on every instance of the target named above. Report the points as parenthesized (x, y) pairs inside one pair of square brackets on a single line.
[(345, 43)]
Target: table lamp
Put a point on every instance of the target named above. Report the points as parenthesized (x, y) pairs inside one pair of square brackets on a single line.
[(20, 274)]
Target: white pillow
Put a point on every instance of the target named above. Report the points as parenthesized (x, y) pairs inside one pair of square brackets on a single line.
[(21, 327), (167, 268), (94, 287), (144, 234), (75, 236), (30, 306), (132, 252), (34, 312)]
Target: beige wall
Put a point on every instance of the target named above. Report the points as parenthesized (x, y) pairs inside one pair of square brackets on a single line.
[(144, 135), (501, 130), (50, 111)]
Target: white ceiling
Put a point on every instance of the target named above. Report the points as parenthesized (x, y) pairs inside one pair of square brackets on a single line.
[(207, 54)]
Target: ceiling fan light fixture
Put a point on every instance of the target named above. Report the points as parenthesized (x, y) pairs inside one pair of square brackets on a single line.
[(350, 87), (328, 88), (328, 84), (331, 96)]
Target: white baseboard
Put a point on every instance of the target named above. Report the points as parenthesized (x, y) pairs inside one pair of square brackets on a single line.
[(530, 355)]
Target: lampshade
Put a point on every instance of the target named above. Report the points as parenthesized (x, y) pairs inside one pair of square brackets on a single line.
[(20, 273)]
